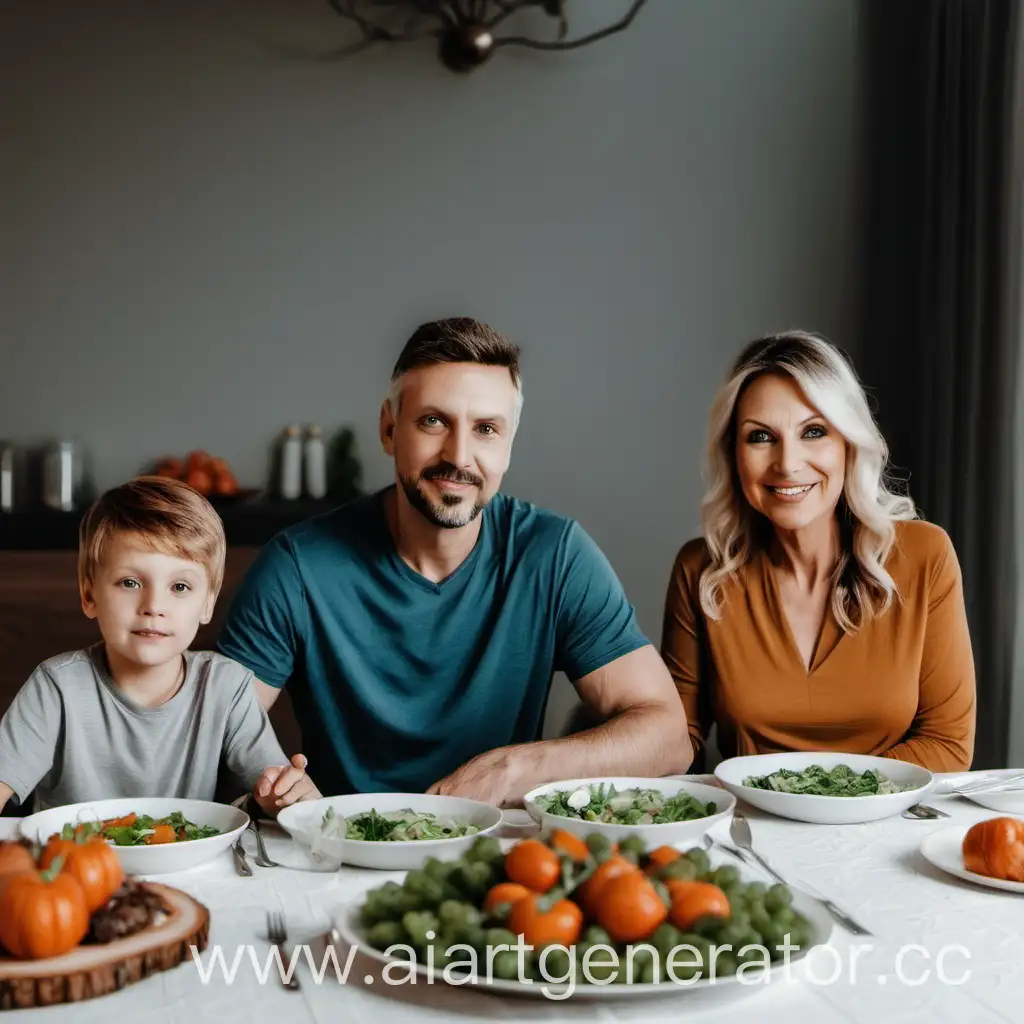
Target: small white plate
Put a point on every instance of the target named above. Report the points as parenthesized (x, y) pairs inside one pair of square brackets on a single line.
[(944, 849), (1010, 802), (669, 833), (302, 821), (825, 810)]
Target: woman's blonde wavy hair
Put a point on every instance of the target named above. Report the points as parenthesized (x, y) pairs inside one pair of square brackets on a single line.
[(868, 508)]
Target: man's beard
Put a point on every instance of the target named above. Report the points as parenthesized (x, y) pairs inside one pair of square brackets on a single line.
[(452, 513)]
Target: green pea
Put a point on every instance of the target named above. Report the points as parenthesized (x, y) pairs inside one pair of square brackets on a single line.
[(603, 966), (634, 844), (637, 963), (387, 933), (777, 897), (784, 917), (506, 965), (499, 937), (557, 963), (466, 935), (439, 870), (725, 964), (418, 923), (682, 869), (664, 938), (486, 849), (452, 913), (596, 936), (700, 859), (709, 925), (726, 875), (756, 891), (420, 884)]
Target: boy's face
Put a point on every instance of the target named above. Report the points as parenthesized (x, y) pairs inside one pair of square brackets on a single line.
[(149, 604)]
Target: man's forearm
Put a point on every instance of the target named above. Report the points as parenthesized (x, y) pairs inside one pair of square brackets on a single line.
[(650, 741)]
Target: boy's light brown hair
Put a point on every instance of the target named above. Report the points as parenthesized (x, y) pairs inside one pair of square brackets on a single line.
[(164, 513)]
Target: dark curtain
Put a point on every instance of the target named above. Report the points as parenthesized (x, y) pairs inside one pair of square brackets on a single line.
[(941, 337)]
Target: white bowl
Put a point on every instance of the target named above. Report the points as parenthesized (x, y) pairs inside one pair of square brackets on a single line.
[(302, 821), (665, 834), (161, 859), (825, 810)]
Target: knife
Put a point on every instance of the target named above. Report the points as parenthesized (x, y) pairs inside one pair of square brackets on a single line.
[(739, 830), (241, 861)]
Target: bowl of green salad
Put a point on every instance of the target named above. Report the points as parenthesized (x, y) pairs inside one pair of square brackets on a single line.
[(826, 787), (390, 831), (660, 811)]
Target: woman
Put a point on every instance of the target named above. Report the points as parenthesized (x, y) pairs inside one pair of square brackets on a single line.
[(817, 612)]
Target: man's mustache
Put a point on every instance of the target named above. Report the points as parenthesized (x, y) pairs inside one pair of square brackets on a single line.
[(446, 471)]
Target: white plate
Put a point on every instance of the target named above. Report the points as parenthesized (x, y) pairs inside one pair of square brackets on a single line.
[(302, 822), (1010, 802), (945, 850), (665, 834), (825, 810), (348, 924), (161, 859)]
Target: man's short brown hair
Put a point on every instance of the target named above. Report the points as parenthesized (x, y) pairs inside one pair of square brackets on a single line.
[(458, 339), (163, 513)]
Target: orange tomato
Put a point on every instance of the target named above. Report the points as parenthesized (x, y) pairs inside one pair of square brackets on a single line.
[(505, 892), (629, 908), (661, 856), (161, 834), (532, 864), (589, 893), (126, 821), (694, 900), (567, 843), (995, 847), (561, 924)]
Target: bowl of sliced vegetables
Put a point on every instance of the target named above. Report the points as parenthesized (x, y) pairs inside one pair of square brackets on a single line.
[(659, 811), (826, 787), (391, 831), (151, 835)]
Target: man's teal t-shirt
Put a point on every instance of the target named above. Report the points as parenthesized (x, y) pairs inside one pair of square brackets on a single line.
[(396, 680)]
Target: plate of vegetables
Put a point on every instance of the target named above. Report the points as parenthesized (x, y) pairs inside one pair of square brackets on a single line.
[(658, 810), (579, 916), (391, 831), (826, 787), (150, 835)]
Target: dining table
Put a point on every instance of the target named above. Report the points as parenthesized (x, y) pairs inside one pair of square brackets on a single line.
[(942, 950)]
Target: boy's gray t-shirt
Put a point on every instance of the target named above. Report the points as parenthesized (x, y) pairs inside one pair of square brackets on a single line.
[(71, 736)]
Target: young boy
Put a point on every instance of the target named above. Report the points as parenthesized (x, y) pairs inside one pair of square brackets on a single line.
[(139, 714)]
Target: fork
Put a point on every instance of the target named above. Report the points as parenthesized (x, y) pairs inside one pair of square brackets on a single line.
[(744, 844), (277, 932), (986, 784)]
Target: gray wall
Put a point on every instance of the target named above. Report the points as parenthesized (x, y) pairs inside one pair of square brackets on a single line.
[(205, 238)]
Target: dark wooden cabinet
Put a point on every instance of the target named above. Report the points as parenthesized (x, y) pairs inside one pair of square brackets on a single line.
[(41, 615)]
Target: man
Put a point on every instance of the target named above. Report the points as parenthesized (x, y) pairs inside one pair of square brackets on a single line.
[(419, 628)]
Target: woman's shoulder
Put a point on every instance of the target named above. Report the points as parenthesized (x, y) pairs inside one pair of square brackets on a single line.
[(690, 561), (922, 547)]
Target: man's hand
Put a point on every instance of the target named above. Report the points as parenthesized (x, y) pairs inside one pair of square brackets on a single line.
[(281, 785), (493, 777)]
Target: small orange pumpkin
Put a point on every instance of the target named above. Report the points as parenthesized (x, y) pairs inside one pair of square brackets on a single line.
[(15, 857), (996, 848), (42, 913), (92, 862)]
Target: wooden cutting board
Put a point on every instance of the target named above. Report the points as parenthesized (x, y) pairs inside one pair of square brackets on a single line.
[(97, 969)]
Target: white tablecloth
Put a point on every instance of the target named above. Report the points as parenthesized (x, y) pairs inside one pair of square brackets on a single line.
[(874, 870)]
